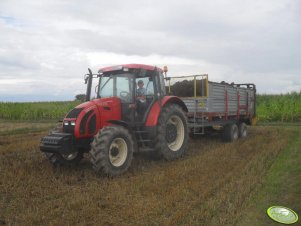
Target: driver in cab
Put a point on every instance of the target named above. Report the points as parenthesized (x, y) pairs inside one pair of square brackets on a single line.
[(140, 100), (141, 91)]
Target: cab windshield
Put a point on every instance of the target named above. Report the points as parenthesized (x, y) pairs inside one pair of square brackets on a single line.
[(117, 85)]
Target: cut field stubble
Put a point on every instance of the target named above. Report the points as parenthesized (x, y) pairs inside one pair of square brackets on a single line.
[(209, 186)]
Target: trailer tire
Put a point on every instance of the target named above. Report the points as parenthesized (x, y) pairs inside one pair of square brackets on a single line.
[(242, 129), (231, 132), (172, 133), (112, 151)]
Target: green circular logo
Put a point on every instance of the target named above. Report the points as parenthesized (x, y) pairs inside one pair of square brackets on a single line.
[(282, 214)]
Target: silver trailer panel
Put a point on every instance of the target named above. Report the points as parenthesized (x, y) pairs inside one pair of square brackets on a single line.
[(223, 98)]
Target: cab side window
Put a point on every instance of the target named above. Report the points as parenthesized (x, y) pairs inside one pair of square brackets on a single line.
[(123, 89)]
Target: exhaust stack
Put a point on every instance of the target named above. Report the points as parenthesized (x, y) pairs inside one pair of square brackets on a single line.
[(88, 81)]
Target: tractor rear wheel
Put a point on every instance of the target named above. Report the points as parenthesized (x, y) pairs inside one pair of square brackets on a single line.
[(68, 159), (112, 151), (172, 133), (231, 132)]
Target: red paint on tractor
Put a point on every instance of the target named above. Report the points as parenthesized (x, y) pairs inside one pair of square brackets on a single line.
[(154, 113), (110, 109), (130, 66), (104, 109)]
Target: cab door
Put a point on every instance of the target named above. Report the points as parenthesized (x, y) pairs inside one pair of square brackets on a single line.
[(145, 101), (124, 90)]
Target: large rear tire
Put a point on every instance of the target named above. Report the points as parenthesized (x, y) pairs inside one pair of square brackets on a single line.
[(112, 151), (172, 133)]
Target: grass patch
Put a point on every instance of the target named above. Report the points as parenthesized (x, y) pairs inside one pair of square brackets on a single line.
[(24, 130), (8, 127), (282, 186)]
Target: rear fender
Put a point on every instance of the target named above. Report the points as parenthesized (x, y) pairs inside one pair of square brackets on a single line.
[(155, 111)]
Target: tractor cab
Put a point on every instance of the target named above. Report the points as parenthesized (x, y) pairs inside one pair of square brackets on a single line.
[(137, 86)]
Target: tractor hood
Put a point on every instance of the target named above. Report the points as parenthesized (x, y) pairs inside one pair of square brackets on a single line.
[(86, 119)]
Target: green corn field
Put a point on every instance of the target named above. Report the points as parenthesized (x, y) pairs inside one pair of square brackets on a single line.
[(36, 110), (279, 108), (270, 108)]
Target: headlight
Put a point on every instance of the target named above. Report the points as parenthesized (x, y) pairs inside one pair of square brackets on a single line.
[(67, 123)]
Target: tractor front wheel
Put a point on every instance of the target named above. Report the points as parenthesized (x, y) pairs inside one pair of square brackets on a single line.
[(68, 159), (172, 132), (112, 150)]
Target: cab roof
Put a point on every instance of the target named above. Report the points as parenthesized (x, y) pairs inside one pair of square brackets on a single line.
[(130, 66)]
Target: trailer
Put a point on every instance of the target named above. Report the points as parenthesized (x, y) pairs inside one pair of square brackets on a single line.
[(229, 107)]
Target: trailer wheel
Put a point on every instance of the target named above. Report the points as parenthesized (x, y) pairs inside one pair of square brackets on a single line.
[(172, 133), (231, 132), (69, 159), (112, 151), (242, 128)]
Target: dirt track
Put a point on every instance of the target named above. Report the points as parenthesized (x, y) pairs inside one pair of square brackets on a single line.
[(209, 186)]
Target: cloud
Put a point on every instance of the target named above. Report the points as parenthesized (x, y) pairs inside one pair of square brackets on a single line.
[(45, 44)]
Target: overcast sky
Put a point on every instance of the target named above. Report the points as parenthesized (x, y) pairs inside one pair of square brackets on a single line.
[(47, 46)]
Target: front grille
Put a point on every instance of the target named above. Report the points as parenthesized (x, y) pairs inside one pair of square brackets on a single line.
[(68, 128), (51, 140)]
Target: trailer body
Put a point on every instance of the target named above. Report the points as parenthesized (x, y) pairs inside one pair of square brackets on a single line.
[(215, 104)]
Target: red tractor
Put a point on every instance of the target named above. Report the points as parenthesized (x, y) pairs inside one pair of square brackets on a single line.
[(131, 113)]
